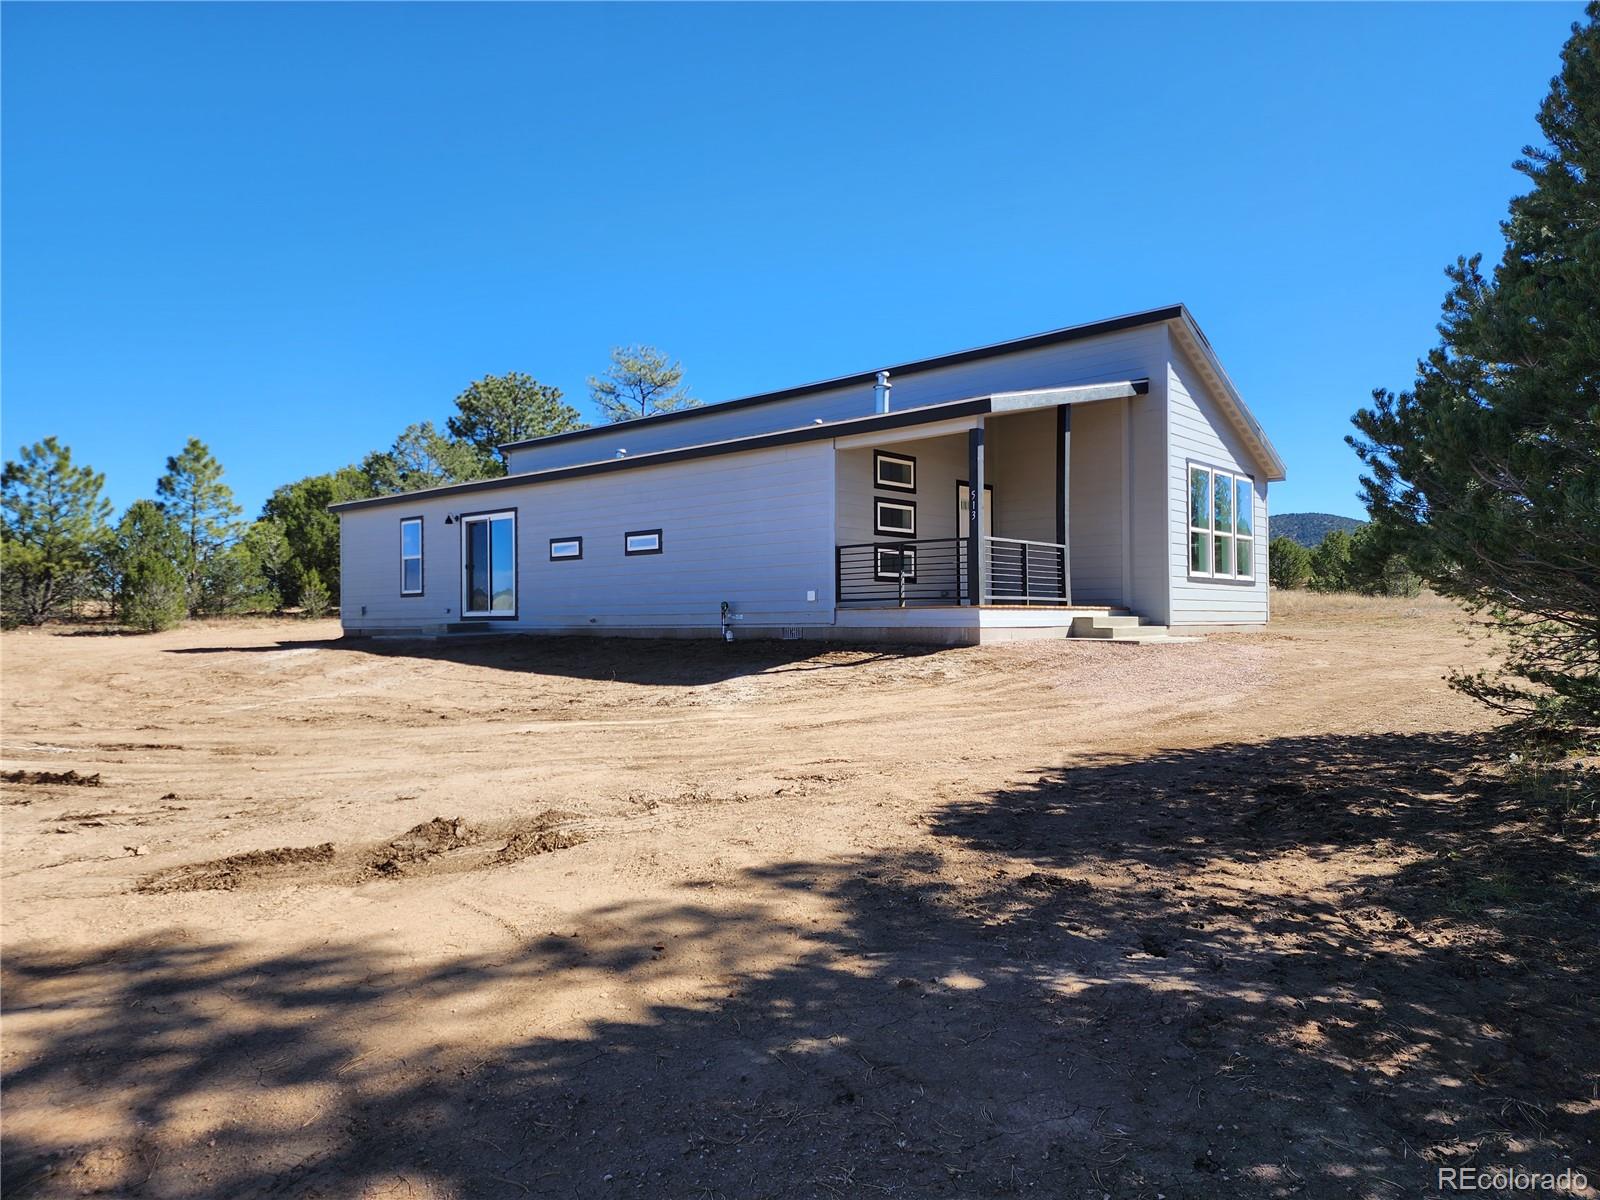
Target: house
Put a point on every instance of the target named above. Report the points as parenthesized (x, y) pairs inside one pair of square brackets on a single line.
[(1100, 479)]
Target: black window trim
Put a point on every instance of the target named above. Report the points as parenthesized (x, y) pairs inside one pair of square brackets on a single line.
[(877, 527), (879, 575), (422, 558), (661, 542), (554, 557), (879, 482)]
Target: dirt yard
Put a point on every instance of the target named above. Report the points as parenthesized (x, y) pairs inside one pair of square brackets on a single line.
[(1250, 916)]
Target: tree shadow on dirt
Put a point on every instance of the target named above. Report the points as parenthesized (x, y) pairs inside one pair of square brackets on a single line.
[(663, 662), (1049, 1001)]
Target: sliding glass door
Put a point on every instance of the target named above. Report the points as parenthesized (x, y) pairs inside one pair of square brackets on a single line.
[(489, 565)]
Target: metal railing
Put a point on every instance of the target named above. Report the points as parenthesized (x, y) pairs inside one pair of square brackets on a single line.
[(933, 571)]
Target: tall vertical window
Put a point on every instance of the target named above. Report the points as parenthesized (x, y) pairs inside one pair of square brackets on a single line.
[(1221, 524), (411, 556), (489, 565)]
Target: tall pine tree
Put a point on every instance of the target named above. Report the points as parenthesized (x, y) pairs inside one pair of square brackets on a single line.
[(1486, 473), (193, 495), (54, 518)]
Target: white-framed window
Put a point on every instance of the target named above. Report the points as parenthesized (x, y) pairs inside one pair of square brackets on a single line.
[(489, 564), (1221, 523), (897, 518), (411, 556), (894, 472), (642, 541), (571, 547), (889, 561)]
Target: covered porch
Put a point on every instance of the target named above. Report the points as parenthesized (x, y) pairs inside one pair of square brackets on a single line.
[(1021, 507)]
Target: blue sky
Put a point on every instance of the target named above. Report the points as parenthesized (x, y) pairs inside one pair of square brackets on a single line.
[(291, 230)]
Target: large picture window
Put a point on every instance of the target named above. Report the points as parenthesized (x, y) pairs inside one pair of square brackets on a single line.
[(489, 564), (411, 556), (1221, 524)]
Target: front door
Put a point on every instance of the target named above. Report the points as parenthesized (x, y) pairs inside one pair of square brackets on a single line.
[(963, 498), (489, 565)]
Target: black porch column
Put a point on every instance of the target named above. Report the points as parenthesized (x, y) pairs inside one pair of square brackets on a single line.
[(977, 551), (1063, 492)]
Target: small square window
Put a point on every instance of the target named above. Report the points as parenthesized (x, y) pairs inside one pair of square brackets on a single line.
[(566, 548), (642, 541), (897, 518), (894, 472)]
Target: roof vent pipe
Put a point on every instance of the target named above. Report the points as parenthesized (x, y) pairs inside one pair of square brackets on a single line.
[(880, 392)]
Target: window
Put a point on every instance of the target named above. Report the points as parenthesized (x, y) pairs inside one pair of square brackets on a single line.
[(897, 518), (1221, 524), (891, 560), (489, 564), (642, 541), (411, 556), (566, 548), (895, 472)]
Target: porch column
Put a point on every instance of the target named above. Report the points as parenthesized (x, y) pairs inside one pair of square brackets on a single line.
[(1063, 492), (977, 551)]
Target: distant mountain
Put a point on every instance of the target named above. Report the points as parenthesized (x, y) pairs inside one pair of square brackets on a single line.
[(1309, 528)]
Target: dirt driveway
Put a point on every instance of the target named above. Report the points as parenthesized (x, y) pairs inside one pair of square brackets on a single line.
[(1243, 917)]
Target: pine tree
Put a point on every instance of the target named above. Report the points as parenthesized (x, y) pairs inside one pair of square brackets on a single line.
[(193, 495), (1486, 473), (150, 587), (53, 521), (640, 382), (498, 409)]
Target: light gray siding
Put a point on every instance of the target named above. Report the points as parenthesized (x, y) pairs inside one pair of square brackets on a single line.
[(1149, 586), (1022, 466), (1097, 499), (755, 529), (1128, 354), (1200, 433), (940, 462)]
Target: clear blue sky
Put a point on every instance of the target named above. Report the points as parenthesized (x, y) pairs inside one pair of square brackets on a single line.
[(291, 230)]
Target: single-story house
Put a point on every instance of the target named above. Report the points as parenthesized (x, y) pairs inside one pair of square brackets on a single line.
[(1099, 479)]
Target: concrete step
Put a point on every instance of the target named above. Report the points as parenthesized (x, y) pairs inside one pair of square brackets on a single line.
[(1117, 628)]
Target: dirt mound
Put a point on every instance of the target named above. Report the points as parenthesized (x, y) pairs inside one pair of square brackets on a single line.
[(226, 874), (68, 778), (541, 835), (437, 846), (421, 843)]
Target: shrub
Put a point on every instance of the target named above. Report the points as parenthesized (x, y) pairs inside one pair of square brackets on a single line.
[(1288, 563)]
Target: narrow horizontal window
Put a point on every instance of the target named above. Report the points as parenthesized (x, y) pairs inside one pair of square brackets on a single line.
[(896, 472), (892, 561), (566, 548), (411, 556), (642, 541), (897, 518)]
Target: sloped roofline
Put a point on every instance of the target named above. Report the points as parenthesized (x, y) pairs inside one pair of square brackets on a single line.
[(1071, 333)]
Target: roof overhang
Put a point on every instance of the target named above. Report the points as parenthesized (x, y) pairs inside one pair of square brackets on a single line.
[(1188, 336), (998, 404)]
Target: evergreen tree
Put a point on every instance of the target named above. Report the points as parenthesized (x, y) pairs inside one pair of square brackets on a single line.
[(421, 457), (193, 495), (53, 521), (640, 382), (147, 550), (311, 531), (1288, 563), (1330, 563), (498, 409), (1486, 473)]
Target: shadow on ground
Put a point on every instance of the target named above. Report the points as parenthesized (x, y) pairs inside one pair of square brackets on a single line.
[(1308, 967), (667, 662)]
